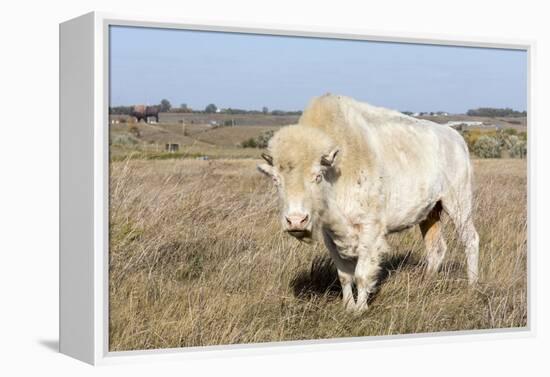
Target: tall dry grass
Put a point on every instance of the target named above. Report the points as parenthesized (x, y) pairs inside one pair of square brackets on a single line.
[(197, 257)]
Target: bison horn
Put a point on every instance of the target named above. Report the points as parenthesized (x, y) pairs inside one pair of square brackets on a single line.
[(328, 159), (267, 158)]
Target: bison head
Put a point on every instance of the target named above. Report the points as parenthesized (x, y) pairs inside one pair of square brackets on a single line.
[(302, 162)]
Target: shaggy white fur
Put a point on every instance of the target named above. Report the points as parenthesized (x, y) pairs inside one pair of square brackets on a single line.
[(353, 173)]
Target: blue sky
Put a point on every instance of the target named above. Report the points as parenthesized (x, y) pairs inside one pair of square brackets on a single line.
[(252, 71)]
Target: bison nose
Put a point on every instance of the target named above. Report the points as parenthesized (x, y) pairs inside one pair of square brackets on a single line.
[(297, 222)]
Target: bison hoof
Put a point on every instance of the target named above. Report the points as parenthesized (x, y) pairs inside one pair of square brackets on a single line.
[(354, 308), (360, 309), (349, 306)]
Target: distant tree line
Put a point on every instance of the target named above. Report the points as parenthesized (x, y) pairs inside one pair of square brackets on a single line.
[(265, 111), (166, 106), (482, 112), (121, 110), (496, 112), (163, 106), (282, 112), (426, 113), (182, 109)]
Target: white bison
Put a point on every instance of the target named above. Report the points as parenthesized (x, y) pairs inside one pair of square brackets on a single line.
[(354, 173)]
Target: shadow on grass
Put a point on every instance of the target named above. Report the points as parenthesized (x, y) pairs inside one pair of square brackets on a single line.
[(320, 280), (322, 277), (392, 264)]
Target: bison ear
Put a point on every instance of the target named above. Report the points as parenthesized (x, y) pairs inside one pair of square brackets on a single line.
[(329, 159), (268, 168), (268, 158)]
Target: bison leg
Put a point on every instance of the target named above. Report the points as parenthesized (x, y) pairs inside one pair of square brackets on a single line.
[(366, 273), (345, 269), (433, 239), (346, 280), (471, 239), (460, 212)]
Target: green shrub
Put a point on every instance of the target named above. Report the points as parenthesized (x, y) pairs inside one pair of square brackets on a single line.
[(507, 141), (124, 139), (471, 136), (519, 149), (487, 147), (264, 138), (250, 143), (260, 142)]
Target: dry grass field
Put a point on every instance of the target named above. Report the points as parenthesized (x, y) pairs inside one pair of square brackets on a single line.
[(220, 118), (233, 135), (195, 140), (197, 258)]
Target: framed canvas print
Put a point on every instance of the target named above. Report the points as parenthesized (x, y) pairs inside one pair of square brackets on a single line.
[(237, 189)]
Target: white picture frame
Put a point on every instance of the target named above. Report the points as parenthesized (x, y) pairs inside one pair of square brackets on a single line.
[(84, 75)]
